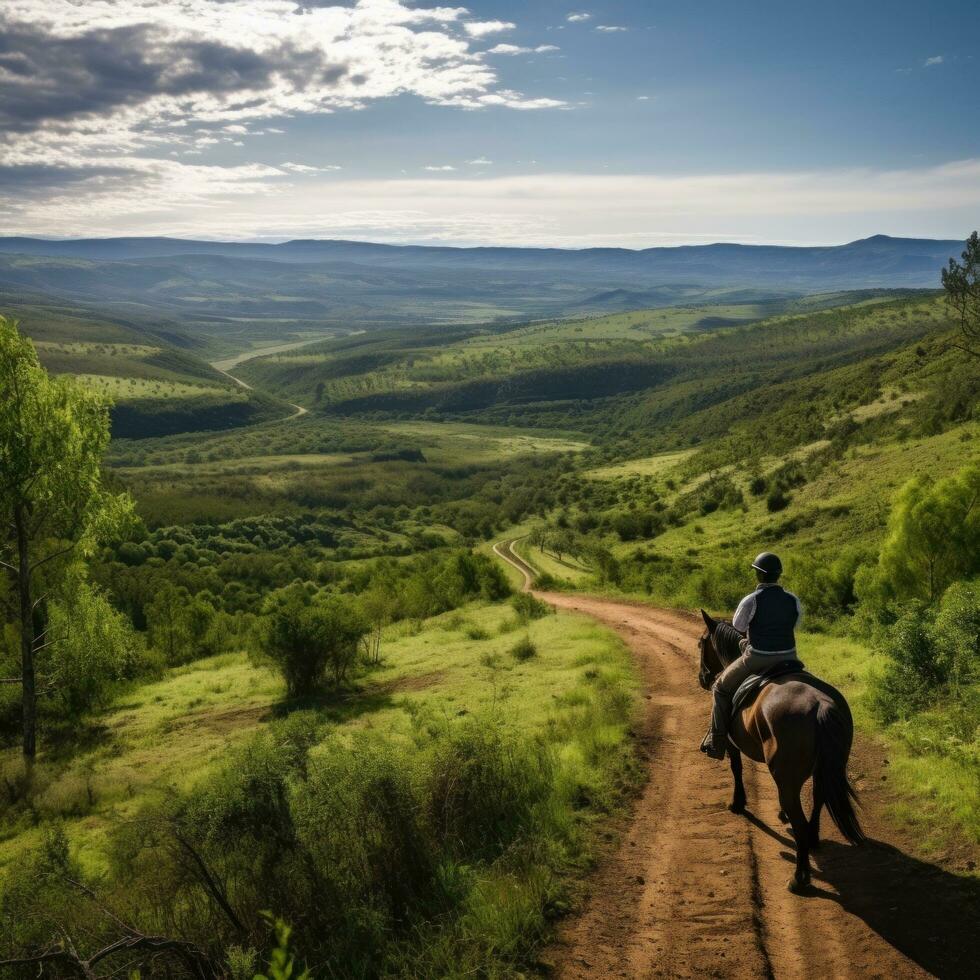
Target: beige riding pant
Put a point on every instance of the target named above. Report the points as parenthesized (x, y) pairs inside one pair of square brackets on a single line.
[(728, 681)]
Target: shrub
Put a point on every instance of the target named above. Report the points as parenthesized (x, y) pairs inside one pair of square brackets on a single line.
[(777, 500), (311, 640), (95, 647), (524, 649), (931, 654), (933, 535), (529, 607)]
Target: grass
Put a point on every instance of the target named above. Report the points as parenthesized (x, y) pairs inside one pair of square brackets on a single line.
[(172, 732), (569, 568), (136, 389)]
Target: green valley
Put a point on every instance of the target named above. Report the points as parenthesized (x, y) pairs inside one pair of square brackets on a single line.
[(294, 675)]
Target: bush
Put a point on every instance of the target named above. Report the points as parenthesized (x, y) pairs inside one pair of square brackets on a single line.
[(529, 607), (311, 640), (777, 500), (96, 646), (370, 847), (932, 654), (933, 535), (524, 649)]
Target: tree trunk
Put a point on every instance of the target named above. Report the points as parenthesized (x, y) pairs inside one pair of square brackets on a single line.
[(28, 692)]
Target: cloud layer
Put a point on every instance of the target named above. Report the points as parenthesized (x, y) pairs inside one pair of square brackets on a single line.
[(105, 94), (552, 209)]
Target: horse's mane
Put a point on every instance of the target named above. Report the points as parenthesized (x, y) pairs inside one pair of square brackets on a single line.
[(727, 640)]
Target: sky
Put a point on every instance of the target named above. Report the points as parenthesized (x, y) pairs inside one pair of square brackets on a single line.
[(630, 124)]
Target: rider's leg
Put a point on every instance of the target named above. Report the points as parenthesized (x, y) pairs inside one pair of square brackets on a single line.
[(716, 741)]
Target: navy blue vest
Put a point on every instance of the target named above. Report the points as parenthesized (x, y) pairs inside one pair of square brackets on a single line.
[(771, 629)]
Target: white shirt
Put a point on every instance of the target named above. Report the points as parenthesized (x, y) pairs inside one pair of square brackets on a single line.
[(746, 611)]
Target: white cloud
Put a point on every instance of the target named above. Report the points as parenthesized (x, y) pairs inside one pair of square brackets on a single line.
[(610, 28), (573, 210), (302, 168), (480, 162), (444, 168), (934, 60), (643, 98), (221, 63), (578, 18), (481, 28), (513, 49)]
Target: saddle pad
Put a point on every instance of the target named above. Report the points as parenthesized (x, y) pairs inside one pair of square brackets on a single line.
[(754, 683)]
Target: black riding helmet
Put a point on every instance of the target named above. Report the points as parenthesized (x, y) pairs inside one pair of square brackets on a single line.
[(769, 564)]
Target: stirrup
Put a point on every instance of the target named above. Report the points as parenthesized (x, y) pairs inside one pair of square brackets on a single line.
[(715, 745)]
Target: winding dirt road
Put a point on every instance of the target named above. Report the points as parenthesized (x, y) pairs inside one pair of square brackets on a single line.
[(691, 890)]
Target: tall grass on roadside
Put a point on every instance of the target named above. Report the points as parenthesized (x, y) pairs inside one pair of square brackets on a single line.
[(440, 855)]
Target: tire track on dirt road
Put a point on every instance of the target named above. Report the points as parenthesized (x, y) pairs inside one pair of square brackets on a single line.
[(693, 890)]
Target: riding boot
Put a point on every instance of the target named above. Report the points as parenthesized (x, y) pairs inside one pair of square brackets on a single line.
[(715, 744)]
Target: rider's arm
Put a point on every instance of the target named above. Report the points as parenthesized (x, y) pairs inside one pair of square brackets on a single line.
[(799, 610), (744, 613)]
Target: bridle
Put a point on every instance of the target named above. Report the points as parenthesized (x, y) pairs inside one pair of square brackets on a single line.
[(706, 675)]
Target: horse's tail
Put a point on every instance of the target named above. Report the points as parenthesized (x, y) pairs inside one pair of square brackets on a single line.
[(830, 773)]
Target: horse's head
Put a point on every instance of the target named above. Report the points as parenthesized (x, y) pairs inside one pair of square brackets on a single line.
[(711, 664)]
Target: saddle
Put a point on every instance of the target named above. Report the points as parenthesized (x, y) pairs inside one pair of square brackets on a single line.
[(750, 687)]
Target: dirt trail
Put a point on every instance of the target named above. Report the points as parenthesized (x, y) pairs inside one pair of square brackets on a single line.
[(693, 890)]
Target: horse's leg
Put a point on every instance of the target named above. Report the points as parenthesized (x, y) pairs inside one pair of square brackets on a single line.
[(738, 799), (813, 828), (789, 800)]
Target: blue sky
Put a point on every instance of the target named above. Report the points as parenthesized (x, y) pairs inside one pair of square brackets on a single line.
[(540, 123)]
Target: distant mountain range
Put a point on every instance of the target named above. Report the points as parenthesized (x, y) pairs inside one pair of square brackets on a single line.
[(307, 283)]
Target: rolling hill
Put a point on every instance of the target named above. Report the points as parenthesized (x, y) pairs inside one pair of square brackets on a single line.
[(158, 378), (265, 289)]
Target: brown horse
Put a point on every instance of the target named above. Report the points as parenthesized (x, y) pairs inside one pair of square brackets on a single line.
[(799, 726)]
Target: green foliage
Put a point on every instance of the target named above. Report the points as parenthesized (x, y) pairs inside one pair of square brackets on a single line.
[(181, 625), (378, 852), (528, 607), (94, 646), (932, 654), (933, 535), (52, 500), (282, 965), (524, 649), (311, 639), (961, 280)]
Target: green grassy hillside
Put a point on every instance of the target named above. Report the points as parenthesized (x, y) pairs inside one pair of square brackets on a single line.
[(158, 379)]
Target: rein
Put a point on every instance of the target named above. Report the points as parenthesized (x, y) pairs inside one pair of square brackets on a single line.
[(725, 642)]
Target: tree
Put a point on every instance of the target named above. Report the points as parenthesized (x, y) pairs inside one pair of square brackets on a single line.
[(309, 638), (53, 432), (168, 624), (962, 285), (933, 535)]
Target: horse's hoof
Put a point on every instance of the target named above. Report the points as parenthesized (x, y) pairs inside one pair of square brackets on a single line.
[(783, 817), (737, 806), (797, 887)]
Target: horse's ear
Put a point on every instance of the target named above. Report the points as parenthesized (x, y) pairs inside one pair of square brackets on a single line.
[(708, 621)]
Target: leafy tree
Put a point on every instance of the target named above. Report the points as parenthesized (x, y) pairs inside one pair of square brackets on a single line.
[(53, 432), (933, 535), (168, 624), (962, 284), (97, 645), (311, 638)]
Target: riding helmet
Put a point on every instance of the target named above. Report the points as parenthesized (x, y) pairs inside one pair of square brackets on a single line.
[(769, 564)]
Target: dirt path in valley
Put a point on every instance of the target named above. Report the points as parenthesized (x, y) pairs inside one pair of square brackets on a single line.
[(693, 890)]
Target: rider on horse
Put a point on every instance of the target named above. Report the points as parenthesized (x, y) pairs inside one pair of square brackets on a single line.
[(767, 617)]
